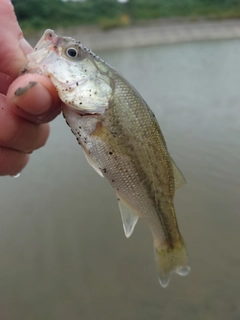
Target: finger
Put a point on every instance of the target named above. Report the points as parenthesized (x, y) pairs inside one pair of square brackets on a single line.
[(5, 81), (33, 97), (12, 162), (19, 134), (13, 47)]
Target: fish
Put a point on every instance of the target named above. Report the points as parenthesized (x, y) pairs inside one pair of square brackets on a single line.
[(121, 139)]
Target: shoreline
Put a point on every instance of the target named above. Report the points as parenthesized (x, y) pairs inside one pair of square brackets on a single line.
[(163, 31)]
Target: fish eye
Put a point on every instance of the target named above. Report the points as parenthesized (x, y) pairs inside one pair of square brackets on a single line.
[(71, 52)]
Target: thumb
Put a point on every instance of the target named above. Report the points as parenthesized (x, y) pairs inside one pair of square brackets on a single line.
[(33, 97)]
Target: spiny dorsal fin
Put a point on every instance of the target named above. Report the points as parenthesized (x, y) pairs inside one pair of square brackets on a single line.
[(179, 179), (129, 217)]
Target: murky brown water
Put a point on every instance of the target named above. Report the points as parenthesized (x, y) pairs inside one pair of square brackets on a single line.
[(63, 254)]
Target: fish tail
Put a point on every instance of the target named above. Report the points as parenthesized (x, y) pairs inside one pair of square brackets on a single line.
[(171, 259)]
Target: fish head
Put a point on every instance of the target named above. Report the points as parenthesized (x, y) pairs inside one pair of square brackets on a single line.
[(81, 78)]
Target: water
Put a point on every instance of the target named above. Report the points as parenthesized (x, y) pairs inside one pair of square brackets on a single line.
[(62, 247)]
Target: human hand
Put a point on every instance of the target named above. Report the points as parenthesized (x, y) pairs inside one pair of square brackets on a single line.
[(23, 113)]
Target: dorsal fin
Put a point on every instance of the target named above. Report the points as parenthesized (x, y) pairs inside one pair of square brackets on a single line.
[(179, 179)]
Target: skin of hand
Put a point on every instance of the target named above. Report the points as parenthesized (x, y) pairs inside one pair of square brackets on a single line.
[(23, 117)]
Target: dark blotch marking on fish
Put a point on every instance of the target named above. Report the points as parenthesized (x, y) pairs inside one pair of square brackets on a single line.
[(110, 152), (20, 91), (104, 170), (114, 134)]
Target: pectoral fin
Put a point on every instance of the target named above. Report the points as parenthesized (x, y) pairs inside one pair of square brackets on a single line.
[(179, 179), (92, 163), (129, 217)]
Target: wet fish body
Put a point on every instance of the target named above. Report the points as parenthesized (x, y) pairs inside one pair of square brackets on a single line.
[(121, 140)]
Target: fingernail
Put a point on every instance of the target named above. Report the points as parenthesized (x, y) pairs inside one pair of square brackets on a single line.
[(20, 91)]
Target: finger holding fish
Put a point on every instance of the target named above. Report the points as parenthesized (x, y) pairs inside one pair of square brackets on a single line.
[(19, 134), (30, 102), (34, 98)]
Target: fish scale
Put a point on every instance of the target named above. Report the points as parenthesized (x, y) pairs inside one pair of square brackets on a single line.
[(121, 139)]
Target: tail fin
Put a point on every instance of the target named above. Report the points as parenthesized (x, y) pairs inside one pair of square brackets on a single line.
[(170, 260)]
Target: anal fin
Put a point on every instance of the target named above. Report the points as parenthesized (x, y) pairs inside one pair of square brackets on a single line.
[(129, 217)]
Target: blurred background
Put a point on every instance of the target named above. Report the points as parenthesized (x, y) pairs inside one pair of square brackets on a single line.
[(34, 14), (63, 251)]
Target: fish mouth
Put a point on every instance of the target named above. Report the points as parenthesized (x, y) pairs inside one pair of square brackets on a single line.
[(48, 38), (45, 51)]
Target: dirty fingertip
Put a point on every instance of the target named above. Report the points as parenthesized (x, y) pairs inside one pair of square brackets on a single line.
[(34, 95), (32, 98), (21, 90)]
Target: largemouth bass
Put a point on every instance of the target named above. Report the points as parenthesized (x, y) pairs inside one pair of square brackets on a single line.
[(121, 139)]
